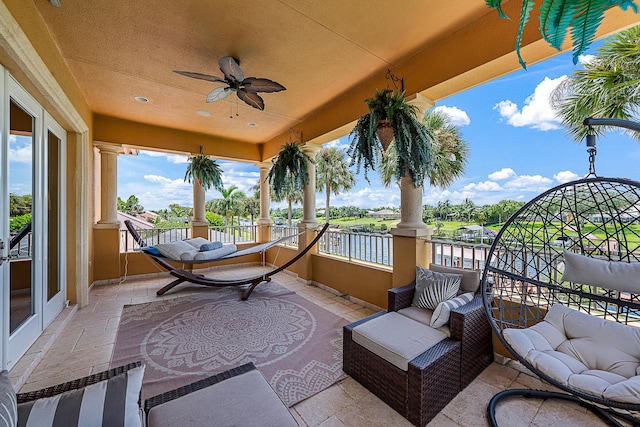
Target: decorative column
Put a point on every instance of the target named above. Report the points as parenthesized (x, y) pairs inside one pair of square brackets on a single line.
[(107, 230), (409, 247), (264, 222), (199, 223), (108, 183), (309, 222)]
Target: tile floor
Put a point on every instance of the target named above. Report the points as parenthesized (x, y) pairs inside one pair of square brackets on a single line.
[(87, 338)]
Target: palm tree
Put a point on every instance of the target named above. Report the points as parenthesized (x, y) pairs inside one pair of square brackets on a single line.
[(291, 191), (204, 171), (450, 152), (332, 174), (226, 205), (607, 86)]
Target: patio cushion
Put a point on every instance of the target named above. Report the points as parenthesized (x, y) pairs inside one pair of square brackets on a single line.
[(112, 402), (423, 316), (215, 253), (197, 242), (244, 400), (396, 338), (179, 250), (432, 288), (210, 246), (621, 276), (582, 351), (470, 278), (8, 410)]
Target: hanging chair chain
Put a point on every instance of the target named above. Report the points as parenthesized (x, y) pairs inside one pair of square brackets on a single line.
[(591, 149)]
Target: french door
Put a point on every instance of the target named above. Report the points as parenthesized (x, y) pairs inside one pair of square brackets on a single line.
[(32, 228)]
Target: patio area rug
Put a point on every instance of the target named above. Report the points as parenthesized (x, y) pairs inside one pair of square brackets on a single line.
[(296, 344)]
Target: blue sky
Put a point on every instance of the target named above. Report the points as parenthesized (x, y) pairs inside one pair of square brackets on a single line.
[(517, 150)]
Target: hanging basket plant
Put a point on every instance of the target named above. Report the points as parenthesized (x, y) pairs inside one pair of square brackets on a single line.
[(292, 162), (204, 170), (390, 115), (582, 17)]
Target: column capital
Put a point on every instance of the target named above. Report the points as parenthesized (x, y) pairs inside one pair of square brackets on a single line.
[(310, 149), (108, 148), (264, 165), (422, 102)]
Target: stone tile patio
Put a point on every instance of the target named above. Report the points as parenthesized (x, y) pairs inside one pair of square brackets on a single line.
[(86, 337)]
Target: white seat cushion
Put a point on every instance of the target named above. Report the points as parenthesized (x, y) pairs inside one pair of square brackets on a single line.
[(423, 316), (396, 338), (597, 356)]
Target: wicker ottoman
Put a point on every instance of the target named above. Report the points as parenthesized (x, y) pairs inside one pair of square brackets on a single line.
[(429, 381)]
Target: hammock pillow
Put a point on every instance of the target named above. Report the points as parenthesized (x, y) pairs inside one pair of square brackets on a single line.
[(179, 251), (210, 246)]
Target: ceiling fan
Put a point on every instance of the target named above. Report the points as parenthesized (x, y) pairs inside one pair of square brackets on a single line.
[(246, 88)]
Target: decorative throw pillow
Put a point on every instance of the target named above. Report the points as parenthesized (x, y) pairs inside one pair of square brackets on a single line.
[(442, 312), (8, 409), (179, 250), (433, 288), (211, 246), (112, 402), (197, 242), (621, 276)]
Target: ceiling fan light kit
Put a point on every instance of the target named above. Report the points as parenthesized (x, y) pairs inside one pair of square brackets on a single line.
[(246, 89)]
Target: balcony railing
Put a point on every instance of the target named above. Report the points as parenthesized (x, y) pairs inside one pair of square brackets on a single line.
[(225, 234), (278, 232), (365, 247), (23, 248), (233, 234), (456, 254)]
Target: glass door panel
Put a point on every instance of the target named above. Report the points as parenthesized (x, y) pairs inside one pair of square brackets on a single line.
[(21, 191)]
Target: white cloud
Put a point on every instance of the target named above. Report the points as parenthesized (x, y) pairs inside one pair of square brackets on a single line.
[(504, 173), (483, 186), (565, 176), (157, 178), (458, 117), (20, 150), (536, 112), (585, 59), (338, 144), (173, 158), (534, 183)]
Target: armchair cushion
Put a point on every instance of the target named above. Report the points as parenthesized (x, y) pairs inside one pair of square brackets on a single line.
[(109, 402), (423, 316), (432, 288), (8, 410), (396, 338), (470, 278)]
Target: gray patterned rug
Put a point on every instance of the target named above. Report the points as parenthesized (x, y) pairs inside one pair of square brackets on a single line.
[(296, 344)]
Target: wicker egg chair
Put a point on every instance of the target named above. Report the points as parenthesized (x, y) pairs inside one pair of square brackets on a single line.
[(543, 258)]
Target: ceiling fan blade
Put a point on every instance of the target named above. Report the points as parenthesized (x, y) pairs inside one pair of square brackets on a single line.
[(219, 94), (230, 69), (200, 76), (254, 84), (251, 98)]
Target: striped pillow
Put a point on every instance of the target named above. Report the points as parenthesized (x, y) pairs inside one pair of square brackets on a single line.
[(442, 312), (113, 402), (8, 411)]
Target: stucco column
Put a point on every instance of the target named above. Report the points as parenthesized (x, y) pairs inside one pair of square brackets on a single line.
[(108, 183), (106, 232), (264, 222), (309, 221), (309, 199), (199, 223), (410, 205)]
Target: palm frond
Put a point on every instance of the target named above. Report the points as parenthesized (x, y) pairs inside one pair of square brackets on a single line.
[(205, 170), (497, 5), (289, 166), (525, 12)]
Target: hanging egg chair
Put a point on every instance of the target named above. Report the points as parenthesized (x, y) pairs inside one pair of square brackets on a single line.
[(561, 289)]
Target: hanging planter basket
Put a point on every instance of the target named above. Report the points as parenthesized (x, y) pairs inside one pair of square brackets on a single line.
[(384, 132)]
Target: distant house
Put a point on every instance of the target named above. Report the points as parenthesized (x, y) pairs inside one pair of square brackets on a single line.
[(384, 214), (474, 233), (137, 221)]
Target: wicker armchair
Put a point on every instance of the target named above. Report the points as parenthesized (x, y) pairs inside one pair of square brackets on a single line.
[(434, 377), (468, 325)]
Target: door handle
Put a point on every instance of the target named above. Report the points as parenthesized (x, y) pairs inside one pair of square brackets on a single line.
[(2, 258)]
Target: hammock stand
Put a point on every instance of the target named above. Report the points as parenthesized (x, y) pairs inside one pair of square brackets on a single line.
[(183, 275), (594, 217)]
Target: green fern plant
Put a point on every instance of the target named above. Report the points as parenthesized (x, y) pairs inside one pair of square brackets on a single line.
[(290, 162), (205, 170), (411, 139), (557, 17)]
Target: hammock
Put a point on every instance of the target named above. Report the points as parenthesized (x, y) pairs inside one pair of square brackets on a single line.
[(188, 276)]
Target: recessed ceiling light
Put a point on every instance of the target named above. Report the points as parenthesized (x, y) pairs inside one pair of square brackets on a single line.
[(252, 124), (141, 99), (203, 113)]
